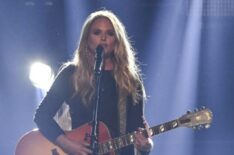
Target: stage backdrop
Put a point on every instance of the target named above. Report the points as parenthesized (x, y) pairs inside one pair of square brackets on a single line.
[(185, 48)]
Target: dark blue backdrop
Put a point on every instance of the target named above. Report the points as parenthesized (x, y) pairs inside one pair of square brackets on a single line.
[(185, 46)]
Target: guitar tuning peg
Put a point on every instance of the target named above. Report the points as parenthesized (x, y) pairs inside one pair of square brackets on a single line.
[(201, 108), (201, 126), (188, 112), (207, 126), (196, 110)]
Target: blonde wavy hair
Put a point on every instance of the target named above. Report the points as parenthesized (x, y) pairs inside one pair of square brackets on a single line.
[(126, 71)]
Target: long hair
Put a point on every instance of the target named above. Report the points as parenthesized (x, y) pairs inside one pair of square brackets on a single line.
[(126, 71)]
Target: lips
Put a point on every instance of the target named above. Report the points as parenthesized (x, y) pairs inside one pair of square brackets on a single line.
[(105, 46)]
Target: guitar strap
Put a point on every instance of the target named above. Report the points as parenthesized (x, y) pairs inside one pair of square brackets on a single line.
[(122, 114), (122, 108)]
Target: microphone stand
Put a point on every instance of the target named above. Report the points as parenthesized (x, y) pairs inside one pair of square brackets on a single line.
[(95, 122)]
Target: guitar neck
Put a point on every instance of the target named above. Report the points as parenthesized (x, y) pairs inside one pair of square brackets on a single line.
[(164, 127), (128, 139)]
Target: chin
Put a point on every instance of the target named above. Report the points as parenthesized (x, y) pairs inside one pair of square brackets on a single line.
[(109, 54)]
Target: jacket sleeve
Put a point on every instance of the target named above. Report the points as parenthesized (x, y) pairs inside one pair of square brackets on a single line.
[(59, 92), (136, 119), (135, 113)]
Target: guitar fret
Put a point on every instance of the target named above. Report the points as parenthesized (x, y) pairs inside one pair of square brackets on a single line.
[(115, 145), (100, 149), (164, 127), (128, 139), (110, 145), (120, 143), (106, 147), (125, 140), (131, 138)]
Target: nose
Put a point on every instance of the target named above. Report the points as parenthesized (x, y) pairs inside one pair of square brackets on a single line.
[(103, 37)]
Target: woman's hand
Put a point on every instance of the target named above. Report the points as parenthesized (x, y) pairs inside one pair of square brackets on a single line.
[(71, 147), (143, 143)]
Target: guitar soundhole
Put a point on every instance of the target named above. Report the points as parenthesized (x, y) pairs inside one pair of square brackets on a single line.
[(54, 152)]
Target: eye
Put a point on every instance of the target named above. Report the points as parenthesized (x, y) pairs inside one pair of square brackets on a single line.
[(96, 32), (111, 33)]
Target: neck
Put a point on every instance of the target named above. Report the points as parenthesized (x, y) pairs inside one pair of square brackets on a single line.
[(108, 64)]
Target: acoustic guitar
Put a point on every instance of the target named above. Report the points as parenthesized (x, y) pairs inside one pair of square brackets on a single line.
[(34, 143)]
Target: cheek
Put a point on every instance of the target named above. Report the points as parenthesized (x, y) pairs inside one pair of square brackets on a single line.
[(92, 43), (112, 44)]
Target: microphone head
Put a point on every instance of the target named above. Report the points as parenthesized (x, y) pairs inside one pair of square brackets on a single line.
[(99, 58), (99, 48)]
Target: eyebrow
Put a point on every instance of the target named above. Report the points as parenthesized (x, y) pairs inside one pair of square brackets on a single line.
[(111, 29)]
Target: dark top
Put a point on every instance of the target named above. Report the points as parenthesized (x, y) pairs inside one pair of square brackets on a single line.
[(61, 92)]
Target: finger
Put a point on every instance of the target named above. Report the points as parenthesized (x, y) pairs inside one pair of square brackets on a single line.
[(140, 142), (86, 148), (142, 133), (139, 138), (86, 144), (148, 130), (85, 151)]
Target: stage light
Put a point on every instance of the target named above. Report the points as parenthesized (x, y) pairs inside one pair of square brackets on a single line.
[(41, 75)]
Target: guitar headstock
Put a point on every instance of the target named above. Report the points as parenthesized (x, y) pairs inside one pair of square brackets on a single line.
[(200, 118)]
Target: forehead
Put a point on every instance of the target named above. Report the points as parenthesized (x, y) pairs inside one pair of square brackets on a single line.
[(101, 23)]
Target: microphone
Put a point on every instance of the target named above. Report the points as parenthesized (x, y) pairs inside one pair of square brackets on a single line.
[(99, 59)]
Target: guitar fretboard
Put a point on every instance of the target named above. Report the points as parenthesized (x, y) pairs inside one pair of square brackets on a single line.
[(164, 127), (128, 139)]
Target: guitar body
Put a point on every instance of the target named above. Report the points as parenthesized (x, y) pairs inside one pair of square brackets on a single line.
[(34, 143)]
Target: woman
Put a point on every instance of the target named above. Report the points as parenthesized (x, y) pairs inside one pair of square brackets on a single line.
[(122, 93)]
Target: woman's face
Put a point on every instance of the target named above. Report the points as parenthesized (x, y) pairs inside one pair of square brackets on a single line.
[(101, 32)]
